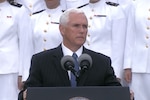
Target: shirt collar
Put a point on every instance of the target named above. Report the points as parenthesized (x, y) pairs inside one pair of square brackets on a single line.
[(67, 51)]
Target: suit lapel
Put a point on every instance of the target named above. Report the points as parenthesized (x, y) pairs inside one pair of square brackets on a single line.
[(62, 73)]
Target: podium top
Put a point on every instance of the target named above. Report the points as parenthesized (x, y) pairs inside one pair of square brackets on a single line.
[(78, 93)]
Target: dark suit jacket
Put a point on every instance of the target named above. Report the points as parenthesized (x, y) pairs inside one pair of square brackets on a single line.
[(46, 71)]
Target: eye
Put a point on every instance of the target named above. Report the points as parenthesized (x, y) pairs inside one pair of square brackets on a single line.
[(85, 26), (76, 25)]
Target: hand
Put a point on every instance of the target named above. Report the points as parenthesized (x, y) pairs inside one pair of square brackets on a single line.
[(20, 83), (128, 75), (131, 95), (25, 94)]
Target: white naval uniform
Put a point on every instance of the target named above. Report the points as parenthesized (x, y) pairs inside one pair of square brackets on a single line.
[(106, 32), (11, 24), (45, 35), (137, 50)]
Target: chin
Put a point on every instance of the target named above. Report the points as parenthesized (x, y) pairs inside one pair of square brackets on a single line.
[(80, 43)]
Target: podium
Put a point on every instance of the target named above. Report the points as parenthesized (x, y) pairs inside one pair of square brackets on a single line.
[(78, 93)]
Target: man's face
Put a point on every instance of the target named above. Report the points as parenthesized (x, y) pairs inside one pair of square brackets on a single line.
[(74, 33)]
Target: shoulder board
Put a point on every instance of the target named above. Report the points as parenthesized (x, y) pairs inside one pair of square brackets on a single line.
[(82, 5), (112, 3), (38, 12), (15, 4)]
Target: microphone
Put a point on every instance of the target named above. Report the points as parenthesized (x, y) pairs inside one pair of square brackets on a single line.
[(85, 62), (67, 63)]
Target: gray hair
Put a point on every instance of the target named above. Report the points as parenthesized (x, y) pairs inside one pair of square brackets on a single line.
[(64, 18)]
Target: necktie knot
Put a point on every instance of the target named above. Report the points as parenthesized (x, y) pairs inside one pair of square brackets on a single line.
[(75, 56)]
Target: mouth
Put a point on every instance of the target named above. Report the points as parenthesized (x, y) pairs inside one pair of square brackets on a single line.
[(81, 37)]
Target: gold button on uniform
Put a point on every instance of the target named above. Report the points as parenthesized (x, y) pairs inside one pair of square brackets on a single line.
[(91, 18), (147, 37), (45, 31), (88, 43), (88, 35), (49, 15), (44, 40), (44, 49), (148, 28), (30, 5), (47, 23), (148, 18), (30, 14), (146, 46), (89, 26)]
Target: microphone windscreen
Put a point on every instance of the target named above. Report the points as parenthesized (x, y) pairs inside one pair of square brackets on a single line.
[(85, 57), (67, 62)]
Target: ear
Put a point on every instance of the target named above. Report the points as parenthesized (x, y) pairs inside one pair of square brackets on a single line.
[(62, 29)]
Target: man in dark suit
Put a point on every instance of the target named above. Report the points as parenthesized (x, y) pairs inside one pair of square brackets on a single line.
[(46, 70)]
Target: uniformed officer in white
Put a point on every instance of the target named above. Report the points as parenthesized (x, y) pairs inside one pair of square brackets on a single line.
[(45, 32), (137, 50), (12, 28), (106, 31)]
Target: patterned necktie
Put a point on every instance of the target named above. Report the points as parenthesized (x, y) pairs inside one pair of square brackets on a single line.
[(76, 67)]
